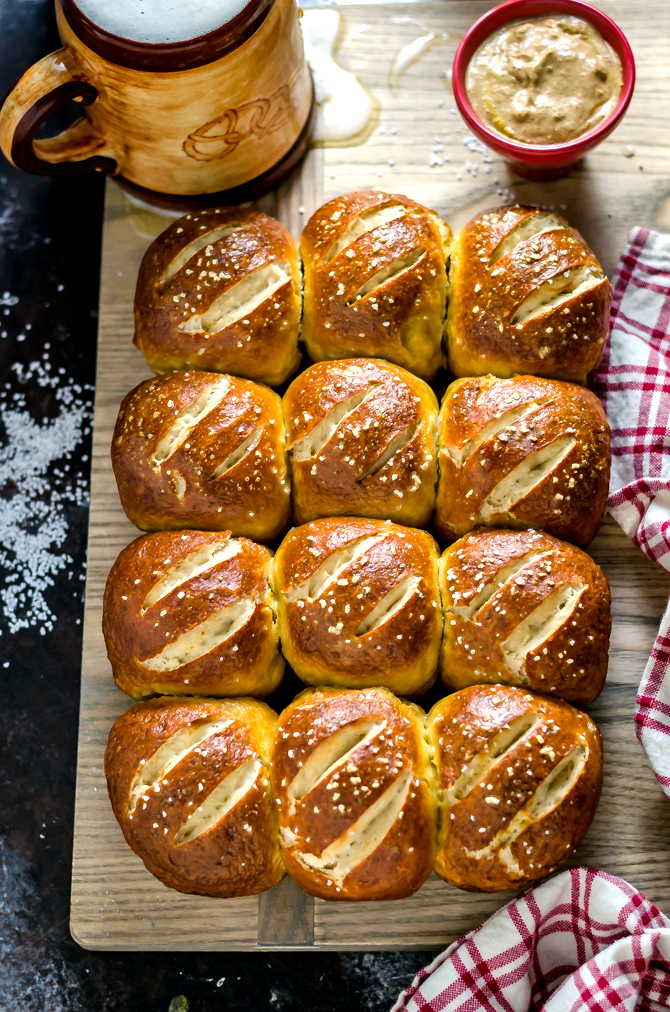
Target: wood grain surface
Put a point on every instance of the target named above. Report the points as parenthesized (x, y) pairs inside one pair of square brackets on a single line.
[(116, 904)]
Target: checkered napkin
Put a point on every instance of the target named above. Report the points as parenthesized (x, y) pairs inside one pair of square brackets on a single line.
[(583, 940), (634, 385)]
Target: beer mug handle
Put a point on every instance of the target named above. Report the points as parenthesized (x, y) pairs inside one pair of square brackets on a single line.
[(42, 90)]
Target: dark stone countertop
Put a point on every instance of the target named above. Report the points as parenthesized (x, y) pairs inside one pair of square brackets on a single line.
[(49, 266)]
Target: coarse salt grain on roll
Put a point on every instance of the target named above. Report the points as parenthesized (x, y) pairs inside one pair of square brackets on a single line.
[(354, 787), (192, 613), (523, 608), (519, 778), (220, 290), (189, 786), (361, 439), (204, 451), (375, 281), (522, 452), (359, 604), (527, 295)]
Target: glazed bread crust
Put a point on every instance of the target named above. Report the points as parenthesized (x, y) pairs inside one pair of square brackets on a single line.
[(525, 609), (527, 295), (358, 603), (361, 439), (375, 281), (219, 290), (192, 613), (522, 452), (204, 451), (519, 778), (189, 786), (354, 787)]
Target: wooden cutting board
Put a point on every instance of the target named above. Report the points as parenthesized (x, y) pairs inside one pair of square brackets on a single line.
[(116, 904)]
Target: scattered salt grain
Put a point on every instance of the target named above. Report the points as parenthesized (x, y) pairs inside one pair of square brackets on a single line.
[(38, 492)]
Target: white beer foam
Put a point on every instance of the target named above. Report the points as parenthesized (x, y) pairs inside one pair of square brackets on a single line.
[(156, 21), (343, 105)]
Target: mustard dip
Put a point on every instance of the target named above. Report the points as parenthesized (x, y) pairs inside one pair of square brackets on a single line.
[(545, 80)]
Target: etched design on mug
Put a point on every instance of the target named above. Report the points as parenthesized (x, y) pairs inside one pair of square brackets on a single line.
[(256, 119)]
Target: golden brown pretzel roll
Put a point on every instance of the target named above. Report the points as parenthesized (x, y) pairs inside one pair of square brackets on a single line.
[(527, 295), (358, 604), (519, 778), (189, 786), (202, 450), (219, 289), (354, 788), (523, 452), (361, 439), (523, 608), (192, 613), (375, 281)]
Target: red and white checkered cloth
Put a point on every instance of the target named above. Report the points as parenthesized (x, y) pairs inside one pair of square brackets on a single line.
[(634, 384), (583, 940)]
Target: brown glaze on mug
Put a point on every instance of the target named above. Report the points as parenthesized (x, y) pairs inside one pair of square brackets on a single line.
[(169, 56), (221, 117)]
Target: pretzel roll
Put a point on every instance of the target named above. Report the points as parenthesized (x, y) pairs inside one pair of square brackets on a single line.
[(188, 783), (523, 608), (201, 450), (354, 787), (527, 295), (361, 436), (523, 452), (190, 613), (358, 604), (519, 778), (375, 280), (219, 289)]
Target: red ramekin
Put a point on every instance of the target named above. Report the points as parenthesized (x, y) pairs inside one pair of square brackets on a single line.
[(541, 161)]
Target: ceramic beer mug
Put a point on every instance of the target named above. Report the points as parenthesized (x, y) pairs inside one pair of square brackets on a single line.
[(215, 117)]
